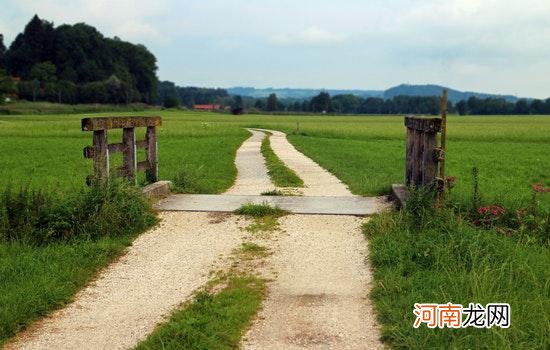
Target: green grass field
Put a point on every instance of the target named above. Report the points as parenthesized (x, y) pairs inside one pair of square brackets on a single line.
[(35, 280), (367, 152)]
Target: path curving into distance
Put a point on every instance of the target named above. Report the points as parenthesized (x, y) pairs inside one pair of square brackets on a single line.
[(252, 177), (317, 180)]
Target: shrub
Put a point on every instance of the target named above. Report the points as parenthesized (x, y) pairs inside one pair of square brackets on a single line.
[(35, 217)]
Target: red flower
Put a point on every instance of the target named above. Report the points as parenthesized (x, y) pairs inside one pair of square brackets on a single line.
[(539, 188)]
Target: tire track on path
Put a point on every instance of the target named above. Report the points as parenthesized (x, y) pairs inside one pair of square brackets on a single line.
[(252, 177)]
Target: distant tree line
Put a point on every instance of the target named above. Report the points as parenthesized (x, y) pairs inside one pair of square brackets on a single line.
[(77, 64), (498, 106), (170, 95), (429, 105)]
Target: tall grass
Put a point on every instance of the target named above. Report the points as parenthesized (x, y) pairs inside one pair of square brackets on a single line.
[(113, 208), (428, 256), (52, 244)]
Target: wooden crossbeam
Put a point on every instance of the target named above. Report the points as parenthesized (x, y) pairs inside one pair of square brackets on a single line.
[(93, 124)]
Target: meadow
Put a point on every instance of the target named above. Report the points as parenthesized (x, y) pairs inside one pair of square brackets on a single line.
[(196, 151), (366, 152)]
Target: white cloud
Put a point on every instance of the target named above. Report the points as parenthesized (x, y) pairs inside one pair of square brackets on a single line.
[(476, 44), (127, 19), (309, 36)]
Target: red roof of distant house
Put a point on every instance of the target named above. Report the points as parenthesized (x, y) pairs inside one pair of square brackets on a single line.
[(206, 107)]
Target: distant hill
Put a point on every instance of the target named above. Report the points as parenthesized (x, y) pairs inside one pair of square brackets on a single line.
[(298, 93), (403, 89), (435, 90)]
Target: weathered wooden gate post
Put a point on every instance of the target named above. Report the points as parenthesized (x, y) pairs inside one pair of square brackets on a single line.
[(422, 151), (422, 156), (151, 150), (100, 154), (129, 158), (101, 149)]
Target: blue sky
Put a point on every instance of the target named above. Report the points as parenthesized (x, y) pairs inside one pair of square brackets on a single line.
[(493, 46)]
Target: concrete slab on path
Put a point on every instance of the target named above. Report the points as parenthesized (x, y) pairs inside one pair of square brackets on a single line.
[(293, 204)]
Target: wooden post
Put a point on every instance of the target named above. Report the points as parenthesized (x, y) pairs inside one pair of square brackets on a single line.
[(101, 154), (416, 159), (429, 164), (421, 166), (409, 157), (129, 166), (443, 144), (151, 151)]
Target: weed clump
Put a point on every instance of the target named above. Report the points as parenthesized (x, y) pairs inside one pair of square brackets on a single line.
[(273, 193), (265, 216), (259, 210)]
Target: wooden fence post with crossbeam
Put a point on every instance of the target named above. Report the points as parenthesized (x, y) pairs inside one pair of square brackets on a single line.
[(101, 149)]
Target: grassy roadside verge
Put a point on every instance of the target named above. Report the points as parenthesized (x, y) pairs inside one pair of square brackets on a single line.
[(51, 246), (279, 173), (36, 280), (445, 259)]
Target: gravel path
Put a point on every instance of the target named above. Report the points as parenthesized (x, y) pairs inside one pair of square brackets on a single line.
[(318, 299), (252, 175), (317, 181), (161, 269)]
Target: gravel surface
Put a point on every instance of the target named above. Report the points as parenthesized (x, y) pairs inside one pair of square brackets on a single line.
[(252, 175), (319, 298), (161, 269), (317, 181)]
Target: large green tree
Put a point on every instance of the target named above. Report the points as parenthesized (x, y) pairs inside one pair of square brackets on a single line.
[(321, 103), (346, 103), (81, 55), (34, 45), (43, 72)]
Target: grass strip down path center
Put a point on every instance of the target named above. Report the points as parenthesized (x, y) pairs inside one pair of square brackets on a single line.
[(279, 173)]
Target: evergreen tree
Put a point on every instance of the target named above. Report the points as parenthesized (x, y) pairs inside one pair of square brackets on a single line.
[(81, 55), (33, 46), (2, 52), (237, 102), (271, 103)]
